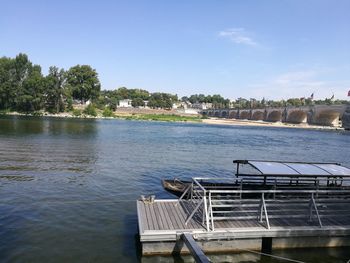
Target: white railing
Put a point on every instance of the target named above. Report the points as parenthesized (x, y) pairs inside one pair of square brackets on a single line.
[(228, 202)]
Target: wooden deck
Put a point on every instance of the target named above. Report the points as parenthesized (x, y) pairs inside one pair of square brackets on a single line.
[(164, 220)]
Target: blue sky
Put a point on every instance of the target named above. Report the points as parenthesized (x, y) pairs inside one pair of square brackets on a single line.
[(273, 49)]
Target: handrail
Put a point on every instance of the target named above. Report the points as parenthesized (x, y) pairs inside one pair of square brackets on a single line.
[(195, 180), (278, 191), (209, 198)]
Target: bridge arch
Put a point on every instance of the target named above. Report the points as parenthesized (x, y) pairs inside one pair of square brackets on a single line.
[(274, 116), (233, 114), (258, 116), (224, 114), (217, 113), (244, 114), (297, 116), (327, 118)]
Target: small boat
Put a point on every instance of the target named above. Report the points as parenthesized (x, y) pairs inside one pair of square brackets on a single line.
[(262, 175), (175, 186)]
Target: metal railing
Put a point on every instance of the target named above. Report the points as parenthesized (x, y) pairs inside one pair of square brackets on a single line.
[(216, 202)]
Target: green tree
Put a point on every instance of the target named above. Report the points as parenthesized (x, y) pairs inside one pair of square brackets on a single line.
[(137, 102), (294, 102), (7, 83), (31, 90), (90, 110), (55, 90), (83, 82)]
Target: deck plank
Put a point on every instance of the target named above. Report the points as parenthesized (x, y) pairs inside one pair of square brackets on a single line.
[(166, 216), (149, 216), (158, 216), (172, 216), (184, 216), (155, 217), (164, 223), (144, 217), (179, 222)]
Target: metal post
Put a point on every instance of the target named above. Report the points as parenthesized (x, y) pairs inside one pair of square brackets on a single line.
[(316, 210), (206, 211), (211, 212), (310, 210), (261, 208), (263, 211), (241, 188), (266, 217)]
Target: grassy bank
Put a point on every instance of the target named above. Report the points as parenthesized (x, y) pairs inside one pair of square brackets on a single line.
[(161, 117), (110, 114)]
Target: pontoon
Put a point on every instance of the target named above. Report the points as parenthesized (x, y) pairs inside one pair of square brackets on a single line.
[(261, 175)]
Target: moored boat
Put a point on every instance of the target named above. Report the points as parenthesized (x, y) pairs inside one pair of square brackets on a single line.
[(257, 174)]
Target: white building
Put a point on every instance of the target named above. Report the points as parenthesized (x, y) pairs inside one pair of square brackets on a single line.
[(202, 106), (125, 103)]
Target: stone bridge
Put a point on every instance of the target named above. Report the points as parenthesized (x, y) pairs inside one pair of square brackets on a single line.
[(325, 115)]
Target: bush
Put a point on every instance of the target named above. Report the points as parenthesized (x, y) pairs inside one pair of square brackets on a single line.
[(76, 112), (69, 104), (107, 112), (90, 110)]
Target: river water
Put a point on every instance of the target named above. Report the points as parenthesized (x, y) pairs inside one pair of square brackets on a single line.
[(68, 186)]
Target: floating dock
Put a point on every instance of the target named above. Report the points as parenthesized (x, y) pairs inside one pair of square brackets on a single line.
[(267, 205), (162, 223), (236, 220)]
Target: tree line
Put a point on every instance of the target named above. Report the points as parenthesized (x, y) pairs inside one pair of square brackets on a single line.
[(24, 88)]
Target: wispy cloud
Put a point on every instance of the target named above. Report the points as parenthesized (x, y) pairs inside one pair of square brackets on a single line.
[(238, 36), (296, 84)]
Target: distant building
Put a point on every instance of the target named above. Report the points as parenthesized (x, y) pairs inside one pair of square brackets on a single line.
[(202, 106), (125, 103)]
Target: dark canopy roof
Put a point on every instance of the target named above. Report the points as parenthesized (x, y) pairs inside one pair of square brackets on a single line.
[(297, 168)]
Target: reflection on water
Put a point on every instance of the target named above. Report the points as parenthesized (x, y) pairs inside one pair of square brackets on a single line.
[(41, 125), (68, 186)]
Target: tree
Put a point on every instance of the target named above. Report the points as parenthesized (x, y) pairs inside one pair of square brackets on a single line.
[(137, 102), (294, 102), (55, 90), (161, 100), (184, 99), (31, 90), (83, 82), (7, 83)]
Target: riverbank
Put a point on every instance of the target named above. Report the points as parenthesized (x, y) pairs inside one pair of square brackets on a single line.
[(172, 116), (159, 116)]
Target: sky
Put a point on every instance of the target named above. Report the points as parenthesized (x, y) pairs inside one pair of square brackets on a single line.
[(273, 49)]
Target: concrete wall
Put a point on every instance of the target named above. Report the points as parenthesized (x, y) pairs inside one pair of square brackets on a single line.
[(236, 245)]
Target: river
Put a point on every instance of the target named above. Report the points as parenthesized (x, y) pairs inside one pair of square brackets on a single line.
[(68, 186)]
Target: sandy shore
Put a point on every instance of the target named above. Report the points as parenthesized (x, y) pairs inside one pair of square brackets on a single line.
[(234, 122)]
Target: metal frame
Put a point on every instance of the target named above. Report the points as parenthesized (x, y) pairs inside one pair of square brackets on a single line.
[(238, 162), (206, 199)]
